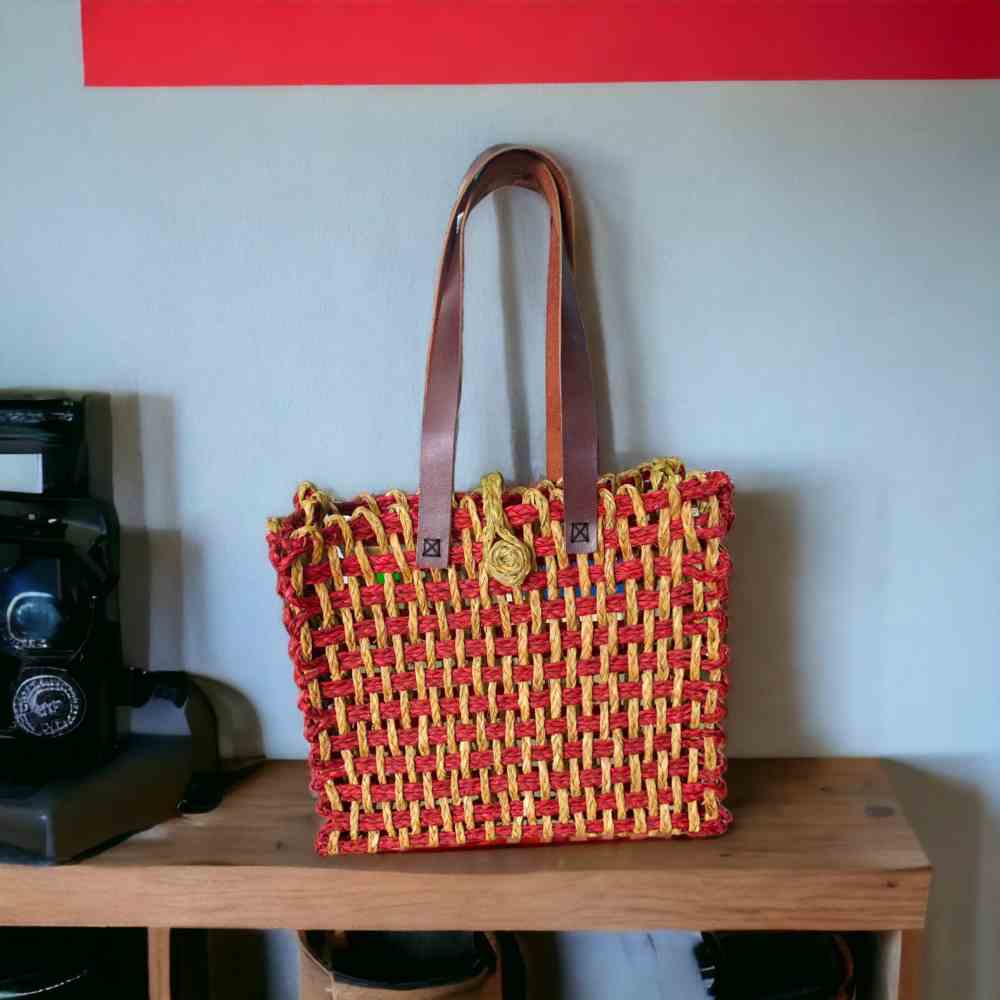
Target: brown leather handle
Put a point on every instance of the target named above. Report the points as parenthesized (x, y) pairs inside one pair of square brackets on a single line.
[(572, 422)]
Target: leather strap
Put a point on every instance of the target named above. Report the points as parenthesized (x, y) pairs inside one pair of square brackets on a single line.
[(571, 417)]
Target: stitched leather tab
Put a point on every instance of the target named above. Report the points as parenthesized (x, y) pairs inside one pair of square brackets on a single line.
[(572, 425)]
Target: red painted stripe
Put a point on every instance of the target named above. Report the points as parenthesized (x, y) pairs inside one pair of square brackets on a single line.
[(235, 42)]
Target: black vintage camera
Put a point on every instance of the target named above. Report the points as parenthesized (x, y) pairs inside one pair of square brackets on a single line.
[(60, 636)]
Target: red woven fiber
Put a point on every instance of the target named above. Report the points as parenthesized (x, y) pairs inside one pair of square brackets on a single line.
[(445, 709)]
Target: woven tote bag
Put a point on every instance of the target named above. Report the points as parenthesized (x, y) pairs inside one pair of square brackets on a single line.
[(512, 665)]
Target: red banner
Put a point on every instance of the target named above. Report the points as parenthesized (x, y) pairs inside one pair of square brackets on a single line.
[(177, 43)]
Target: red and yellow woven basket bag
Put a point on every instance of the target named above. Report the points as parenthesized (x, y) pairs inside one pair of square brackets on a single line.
[(534, 665)]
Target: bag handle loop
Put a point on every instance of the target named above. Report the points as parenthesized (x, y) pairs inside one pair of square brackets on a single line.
[(571, 417)]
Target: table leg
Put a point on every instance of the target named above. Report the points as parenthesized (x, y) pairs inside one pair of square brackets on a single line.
[(911, 961), (899, 965), (158, 952)]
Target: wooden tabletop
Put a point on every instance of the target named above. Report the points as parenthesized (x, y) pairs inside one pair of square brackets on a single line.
[(816, 844)]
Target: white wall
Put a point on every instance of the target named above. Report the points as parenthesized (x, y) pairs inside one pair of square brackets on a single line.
[(794, 282)]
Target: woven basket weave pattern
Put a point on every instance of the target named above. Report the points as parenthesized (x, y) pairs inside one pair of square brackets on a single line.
[(522, 695)]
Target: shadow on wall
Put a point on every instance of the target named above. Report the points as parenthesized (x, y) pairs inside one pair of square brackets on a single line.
[(152, 557), (238, 963), (959, 827), (225, 964), (517, 347), (514, 340), (764, 703), (161, 566)]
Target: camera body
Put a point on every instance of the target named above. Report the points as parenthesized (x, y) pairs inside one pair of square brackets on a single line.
[(60, 636)]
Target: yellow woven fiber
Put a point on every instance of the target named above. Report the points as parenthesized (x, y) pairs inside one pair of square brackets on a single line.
[(521, 695)]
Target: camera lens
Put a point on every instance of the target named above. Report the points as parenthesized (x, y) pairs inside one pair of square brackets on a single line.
[(45, 609), (33, 619)]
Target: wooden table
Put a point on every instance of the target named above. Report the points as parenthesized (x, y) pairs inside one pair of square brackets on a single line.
[(816, 845)]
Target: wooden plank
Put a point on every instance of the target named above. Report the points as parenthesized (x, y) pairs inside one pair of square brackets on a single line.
[(817, 844), (158, 956)]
